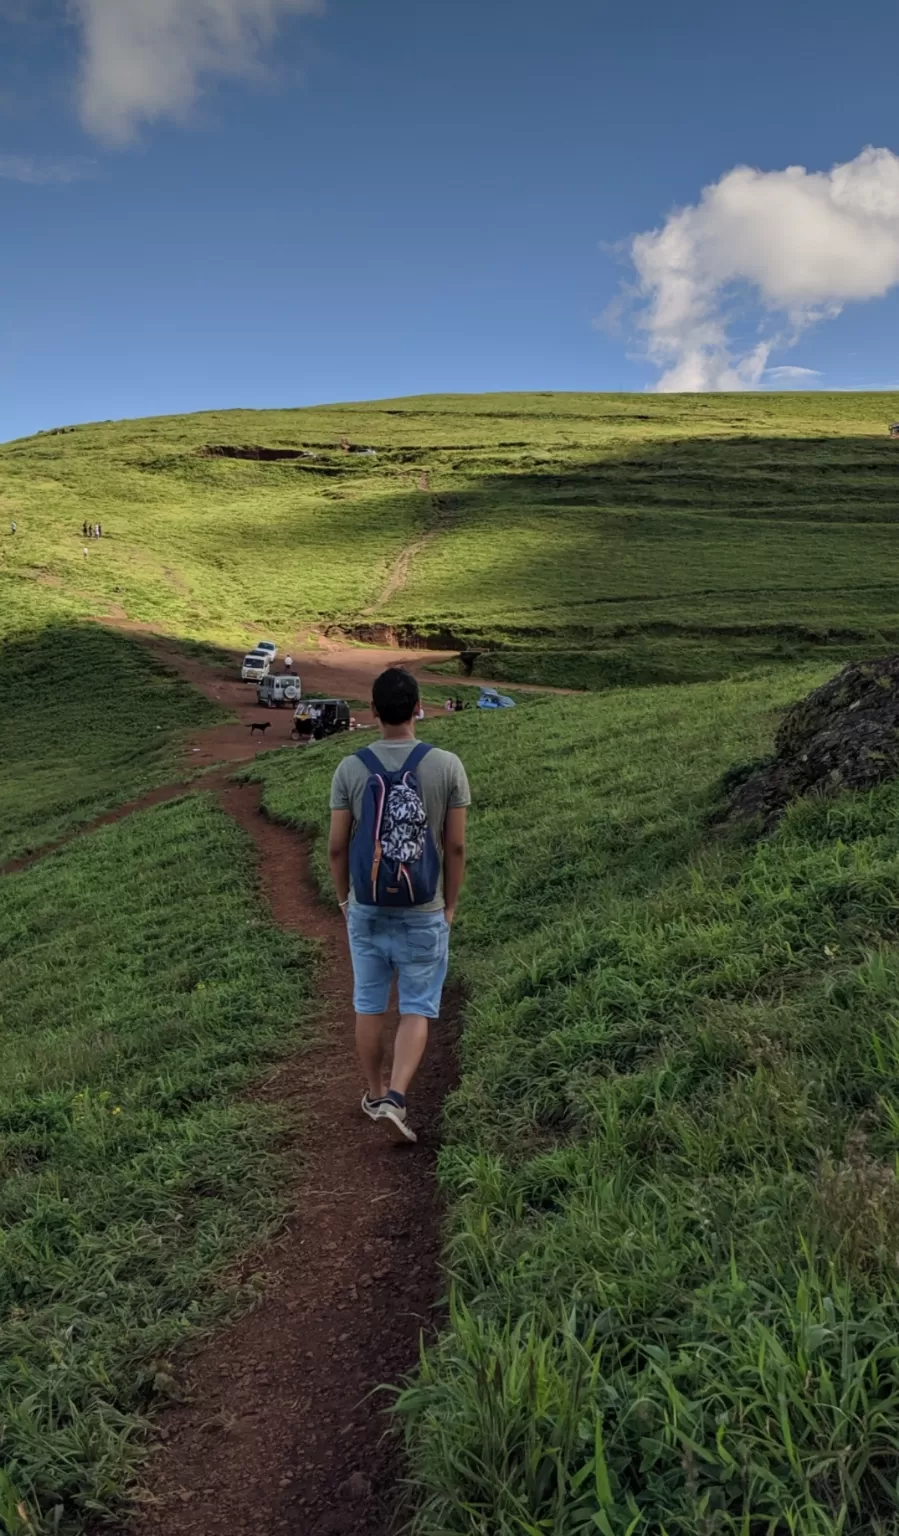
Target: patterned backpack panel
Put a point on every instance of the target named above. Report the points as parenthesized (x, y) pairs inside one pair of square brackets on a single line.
[(394, 859), (404, 824)]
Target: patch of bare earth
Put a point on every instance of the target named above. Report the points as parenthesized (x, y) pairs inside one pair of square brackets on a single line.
[(284, 1425)]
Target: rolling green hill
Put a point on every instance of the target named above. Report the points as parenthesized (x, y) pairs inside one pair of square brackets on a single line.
[(596, 539)]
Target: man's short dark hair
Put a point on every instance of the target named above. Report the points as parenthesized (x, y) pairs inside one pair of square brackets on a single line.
[(395, 696)]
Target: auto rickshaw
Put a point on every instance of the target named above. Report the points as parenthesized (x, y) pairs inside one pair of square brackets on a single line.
[(319, 718)]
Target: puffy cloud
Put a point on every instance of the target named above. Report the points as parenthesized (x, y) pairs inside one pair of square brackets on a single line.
[(39, 171), (802, 243), (146, 59)]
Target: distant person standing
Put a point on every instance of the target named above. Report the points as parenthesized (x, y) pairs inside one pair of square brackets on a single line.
[(99, 530), (288, 662), (13, 527), (84, 530)]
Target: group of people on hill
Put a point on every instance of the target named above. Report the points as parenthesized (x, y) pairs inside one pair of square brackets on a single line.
[(92, 530), (452, 706)]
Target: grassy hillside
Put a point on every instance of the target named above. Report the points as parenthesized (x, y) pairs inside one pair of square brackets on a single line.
[(143, 985), (591, 538), (88, 719), (673, 1158)]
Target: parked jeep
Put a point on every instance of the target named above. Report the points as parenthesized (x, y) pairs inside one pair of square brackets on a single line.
[(278, 689)]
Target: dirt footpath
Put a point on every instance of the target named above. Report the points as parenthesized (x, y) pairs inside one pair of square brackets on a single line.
[(283, 1426)]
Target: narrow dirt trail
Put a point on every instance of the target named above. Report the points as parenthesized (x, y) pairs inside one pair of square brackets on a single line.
[(284, 1428), (442, 510), (282, 1425), (210, 781)]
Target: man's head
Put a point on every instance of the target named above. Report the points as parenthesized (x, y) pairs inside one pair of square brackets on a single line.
[(394, 696)]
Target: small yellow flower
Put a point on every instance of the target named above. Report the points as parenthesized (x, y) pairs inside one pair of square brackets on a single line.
[(117, 1110)]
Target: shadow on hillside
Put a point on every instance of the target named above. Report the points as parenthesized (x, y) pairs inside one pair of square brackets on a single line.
[(818, 478), (701, 553), (732, 535)]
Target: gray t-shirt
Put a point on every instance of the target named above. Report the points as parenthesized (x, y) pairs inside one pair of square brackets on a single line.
[(441, 779)]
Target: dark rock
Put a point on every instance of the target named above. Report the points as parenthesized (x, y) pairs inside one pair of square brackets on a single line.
[(844, 735)]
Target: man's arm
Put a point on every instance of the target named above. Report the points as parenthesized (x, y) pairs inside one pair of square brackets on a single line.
[(339, 853), (453, 857)]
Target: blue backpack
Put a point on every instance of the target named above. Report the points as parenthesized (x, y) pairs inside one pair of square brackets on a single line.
[(394, 860)]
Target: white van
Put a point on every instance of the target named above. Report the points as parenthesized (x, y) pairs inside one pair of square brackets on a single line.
[(255, 667), (278, 689)]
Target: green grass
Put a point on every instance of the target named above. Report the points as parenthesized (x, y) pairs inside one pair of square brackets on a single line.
[(672, 1161), (596, 540), (142, 987), (88, 719)]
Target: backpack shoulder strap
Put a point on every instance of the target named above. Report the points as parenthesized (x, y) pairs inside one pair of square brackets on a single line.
[(372, 763), (420, 750)]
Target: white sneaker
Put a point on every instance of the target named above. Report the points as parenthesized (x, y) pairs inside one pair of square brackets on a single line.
[(370, 1106), (393, 1118)]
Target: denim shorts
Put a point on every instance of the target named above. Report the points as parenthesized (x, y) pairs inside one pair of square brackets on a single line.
[(401, 942)]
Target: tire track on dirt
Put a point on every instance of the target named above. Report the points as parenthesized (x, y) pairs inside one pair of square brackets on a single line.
[(442, 513), (281, 1426)]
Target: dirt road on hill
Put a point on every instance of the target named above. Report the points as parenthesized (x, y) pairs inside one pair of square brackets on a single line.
[(283, 1425), (345, 672)]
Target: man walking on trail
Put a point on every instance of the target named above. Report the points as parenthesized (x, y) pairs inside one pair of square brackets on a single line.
[(397, 857)]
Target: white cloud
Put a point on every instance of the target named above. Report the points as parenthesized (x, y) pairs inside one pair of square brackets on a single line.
[(39, 172), (790, 371), (146, 59), (802, 243)]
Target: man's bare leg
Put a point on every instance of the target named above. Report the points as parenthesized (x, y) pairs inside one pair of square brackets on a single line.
[(371, 1046), (408, 1050)]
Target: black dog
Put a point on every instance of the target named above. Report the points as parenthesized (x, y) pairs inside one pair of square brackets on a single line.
[(260, 725)]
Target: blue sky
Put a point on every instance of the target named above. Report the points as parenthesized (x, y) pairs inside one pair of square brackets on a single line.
[(401, 198)]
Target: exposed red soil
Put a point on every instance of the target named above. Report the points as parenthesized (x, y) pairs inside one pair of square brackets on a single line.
[(284, 1426), (345, 672)]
